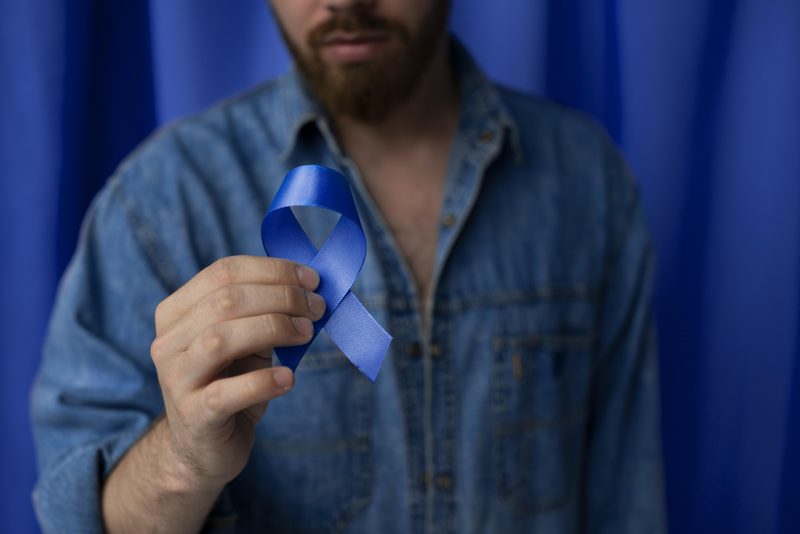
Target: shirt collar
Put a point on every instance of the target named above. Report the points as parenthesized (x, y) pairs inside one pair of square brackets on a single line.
[(299, 109), (481, 104), (483, 110)]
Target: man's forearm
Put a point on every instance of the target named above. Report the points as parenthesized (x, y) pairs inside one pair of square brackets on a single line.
[(150, 492)]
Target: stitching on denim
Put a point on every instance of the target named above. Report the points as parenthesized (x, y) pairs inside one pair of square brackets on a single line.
[(204, 183), (404, 369), (642, 284), (554, 341), (614, 245), (148, 240), (533, 425), (543, 293), (360, 446), (445, 364), (446, 305), (498, 392), (483, 158), (526, 503), (236, 146), (515, 487), (364, 462)]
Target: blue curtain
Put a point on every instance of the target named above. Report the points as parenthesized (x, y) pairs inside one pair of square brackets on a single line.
[(702, 95)]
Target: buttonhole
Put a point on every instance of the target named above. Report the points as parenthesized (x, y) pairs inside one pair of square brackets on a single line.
[(516, 360)]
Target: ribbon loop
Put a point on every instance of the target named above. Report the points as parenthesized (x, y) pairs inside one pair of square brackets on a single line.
[(338, 262)]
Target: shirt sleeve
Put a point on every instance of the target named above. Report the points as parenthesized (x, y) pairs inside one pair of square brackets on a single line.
[(96, 391), (624, 464)]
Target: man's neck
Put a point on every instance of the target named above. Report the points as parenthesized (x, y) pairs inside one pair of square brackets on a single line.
[(430, 112), (403, 163)]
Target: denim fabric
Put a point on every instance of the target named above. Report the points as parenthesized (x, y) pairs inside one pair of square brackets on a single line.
[(528, 404)]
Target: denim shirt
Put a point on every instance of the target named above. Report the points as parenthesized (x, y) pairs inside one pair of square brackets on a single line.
[(528, 403)]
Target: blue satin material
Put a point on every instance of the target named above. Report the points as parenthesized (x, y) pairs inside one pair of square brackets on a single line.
[(338, 263)]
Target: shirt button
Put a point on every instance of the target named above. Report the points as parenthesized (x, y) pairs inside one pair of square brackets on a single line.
[(415, 350), (449, 220), (487, 136), (435, 350), (443, 482)]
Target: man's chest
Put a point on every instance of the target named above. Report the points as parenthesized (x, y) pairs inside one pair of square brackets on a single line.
[(508, 367), (410, 203)]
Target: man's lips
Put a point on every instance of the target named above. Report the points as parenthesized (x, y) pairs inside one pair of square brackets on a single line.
[(342, 47)]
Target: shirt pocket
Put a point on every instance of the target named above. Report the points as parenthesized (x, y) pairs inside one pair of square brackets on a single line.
[(312, 461), (539, 391)]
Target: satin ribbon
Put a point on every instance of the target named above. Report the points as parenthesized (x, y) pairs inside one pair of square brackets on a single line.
[(338, 262)]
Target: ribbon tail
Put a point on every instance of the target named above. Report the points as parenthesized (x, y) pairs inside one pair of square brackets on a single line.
[(358, 336)]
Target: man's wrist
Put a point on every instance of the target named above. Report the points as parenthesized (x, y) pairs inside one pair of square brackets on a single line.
[(153, 487), (177, 476)]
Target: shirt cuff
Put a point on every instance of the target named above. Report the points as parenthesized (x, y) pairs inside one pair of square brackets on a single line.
[(67, 496)]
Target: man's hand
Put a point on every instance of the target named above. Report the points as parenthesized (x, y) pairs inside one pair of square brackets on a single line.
[(213, 347), (212, 351)]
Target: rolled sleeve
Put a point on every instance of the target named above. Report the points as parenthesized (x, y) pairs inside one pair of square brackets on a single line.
[(96, 391)]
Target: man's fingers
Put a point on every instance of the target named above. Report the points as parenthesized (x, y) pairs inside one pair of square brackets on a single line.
[(219, 345), (248, 364), (238, 301), (226, 397), (232, 270)]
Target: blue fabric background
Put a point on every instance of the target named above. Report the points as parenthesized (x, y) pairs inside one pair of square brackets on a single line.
[(702, 95)]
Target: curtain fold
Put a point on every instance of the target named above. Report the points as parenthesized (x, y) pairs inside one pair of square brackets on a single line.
[(702, 95)]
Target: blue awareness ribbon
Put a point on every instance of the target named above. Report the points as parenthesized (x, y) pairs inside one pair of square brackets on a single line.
[(338, 262)]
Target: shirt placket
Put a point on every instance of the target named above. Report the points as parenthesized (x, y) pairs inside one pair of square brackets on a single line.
[(477, 145), (423, 362)]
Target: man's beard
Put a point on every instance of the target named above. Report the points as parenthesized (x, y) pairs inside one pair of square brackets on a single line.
[(370, 91)]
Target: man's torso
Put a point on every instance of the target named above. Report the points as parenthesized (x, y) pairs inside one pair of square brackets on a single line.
[(475, 422)]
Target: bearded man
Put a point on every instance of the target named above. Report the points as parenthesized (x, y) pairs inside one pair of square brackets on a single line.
[(508, 256)]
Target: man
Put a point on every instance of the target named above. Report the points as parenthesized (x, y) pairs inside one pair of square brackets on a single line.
[(508, 257)]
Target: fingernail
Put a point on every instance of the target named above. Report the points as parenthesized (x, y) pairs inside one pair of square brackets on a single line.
[(316, 304), (302, 325), (308, 277), (283, 377)]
